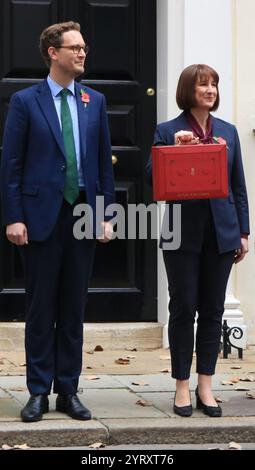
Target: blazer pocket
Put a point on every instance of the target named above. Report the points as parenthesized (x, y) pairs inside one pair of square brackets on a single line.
[(29, 190)]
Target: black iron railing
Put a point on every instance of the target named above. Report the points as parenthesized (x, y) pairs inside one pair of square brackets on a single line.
[(228, 333)]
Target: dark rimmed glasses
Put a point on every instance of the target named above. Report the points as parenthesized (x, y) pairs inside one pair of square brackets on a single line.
[(76, 48)]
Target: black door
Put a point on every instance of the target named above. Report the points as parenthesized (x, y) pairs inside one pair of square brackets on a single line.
[(122, 65)]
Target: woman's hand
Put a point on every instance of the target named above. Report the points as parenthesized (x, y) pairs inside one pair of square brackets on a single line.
[(241, 252), (185, 138)]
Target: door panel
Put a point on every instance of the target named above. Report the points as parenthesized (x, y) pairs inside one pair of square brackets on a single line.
[(21, 24), (122, 65)]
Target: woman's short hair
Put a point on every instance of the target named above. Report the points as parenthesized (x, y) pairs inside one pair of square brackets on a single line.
[(185, 93), (52, 36)]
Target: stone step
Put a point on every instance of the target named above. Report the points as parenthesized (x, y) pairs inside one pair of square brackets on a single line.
[(111, 336), (67, 433)]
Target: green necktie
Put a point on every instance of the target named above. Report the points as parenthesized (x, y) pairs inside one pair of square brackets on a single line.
[(71, 191)]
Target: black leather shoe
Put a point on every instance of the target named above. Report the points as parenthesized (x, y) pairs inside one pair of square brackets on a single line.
[(212, 411), (71, 405), (34, 409), (184, 411)]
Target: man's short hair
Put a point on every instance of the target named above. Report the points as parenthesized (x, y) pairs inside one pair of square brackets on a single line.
[(52, 36)]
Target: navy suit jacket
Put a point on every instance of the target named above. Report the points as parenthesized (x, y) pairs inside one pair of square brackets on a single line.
[(33, 158), (230, 215)]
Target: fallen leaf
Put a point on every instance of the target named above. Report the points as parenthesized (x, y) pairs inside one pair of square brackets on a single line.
[(130, 349), (218, 399), (92, 377), (89, 352), (6, 447), (226, 382), (248, 378), (122, 360), (241, 389), (22, 364), (21, 446), (250, 395), (142, 384), (18, 389), (97, 445), (234, 445), (164, 358), (234, 380), (131, 357), (236, 367), (165, 371), (98, 348), (143, 403), (88, 367)]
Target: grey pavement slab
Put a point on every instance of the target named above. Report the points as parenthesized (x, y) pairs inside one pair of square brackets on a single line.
[(117, 403), (237, 404), (9, 409), (22, 396), (103, 381), (218, 378), (164, 382), (8, 381), (234, 403), (164, 402), (3, 393), (156, 382)]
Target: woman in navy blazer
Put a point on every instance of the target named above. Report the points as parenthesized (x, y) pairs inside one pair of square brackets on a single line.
[(214, 234)]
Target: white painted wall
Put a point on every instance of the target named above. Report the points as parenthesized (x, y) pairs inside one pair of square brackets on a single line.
[(244, 116), (208, 40)]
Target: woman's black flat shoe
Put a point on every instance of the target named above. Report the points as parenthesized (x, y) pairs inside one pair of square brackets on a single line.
[(184, 411), (212, 411)]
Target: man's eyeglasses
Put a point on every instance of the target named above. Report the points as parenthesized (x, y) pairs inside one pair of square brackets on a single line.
[(76, 48)]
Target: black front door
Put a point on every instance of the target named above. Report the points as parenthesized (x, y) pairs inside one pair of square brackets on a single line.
[(122, 65)]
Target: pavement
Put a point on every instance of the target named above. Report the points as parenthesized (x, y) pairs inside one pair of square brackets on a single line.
[(130, 394)]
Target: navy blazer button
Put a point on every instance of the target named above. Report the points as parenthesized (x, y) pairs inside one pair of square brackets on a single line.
[(63, 167)]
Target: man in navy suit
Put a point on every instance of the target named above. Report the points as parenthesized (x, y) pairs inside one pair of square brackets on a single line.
[(38, 200)]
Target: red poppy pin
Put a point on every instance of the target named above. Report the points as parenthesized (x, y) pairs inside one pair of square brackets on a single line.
[(220, 140), (85, 97)]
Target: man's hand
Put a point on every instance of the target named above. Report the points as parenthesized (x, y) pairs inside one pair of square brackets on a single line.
[(107, 232), (17, 233), (241, 252), (185, 138)]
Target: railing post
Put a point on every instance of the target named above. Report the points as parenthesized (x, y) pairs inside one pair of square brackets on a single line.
[(227, 332)]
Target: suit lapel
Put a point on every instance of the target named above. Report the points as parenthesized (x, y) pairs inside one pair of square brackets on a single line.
[(216, 127), (82, 118), (46, 103)]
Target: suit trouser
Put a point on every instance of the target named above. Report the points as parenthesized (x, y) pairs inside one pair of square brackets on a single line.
[(57, 273), (197, 283)]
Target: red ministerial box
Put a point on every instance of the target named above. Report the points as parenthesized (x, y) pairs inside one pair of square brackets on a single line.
[(189, 172)]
